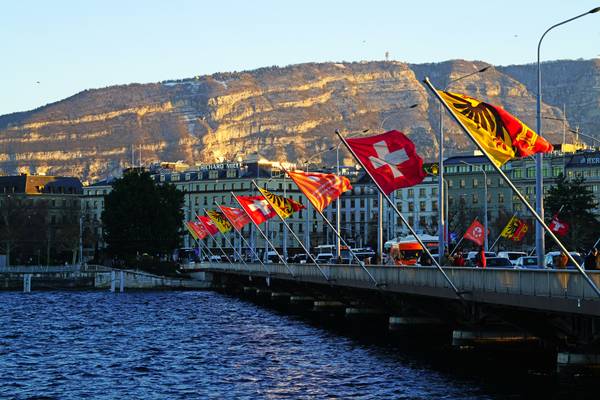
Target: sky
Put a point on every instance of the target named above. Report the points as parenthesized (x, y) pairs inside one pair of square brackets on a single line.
[(54, 49)]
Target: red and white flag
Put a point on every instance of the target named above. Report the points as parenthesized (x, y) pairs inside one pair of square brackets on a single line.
[(391, 158), (257, 208), (208, 225), (236, 216), (559, 227), (476, 233)]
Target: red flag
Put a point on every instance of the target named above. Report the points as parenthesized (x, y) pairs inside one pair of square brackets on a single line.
[(198, 229), (521, 230), (559, 227), (391, 159), (257, 207), (208, 224), (236, 216), (320, 189), (476, 233)]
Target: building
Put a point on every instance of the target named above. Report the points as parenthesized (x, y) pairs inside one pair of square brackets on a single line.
[(40, 219)]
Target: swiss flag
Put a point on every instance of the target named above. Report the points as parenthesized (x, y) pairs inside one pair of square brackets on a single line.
[(257, 208), (476, 233), (559, 227), (236, 216), (208, 224), (391, 159)]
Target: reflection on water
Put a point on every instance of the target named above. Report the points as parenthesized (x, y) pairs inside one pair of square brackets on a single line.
[(205, 345)]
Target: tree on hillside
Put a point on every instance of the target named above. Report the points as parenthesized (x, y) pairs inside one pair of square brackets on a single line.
[(142, 217), (578, 203)]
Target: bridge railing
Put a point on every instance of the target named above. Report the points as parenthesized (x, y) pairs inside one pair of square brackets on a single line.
[(531, 282)]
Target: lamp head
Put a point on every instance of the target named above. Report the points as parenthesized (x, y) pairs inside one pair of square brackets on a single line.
[(594, 10)]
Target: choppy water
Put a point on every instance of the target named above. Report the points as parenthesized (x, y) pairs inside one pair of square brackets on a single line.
[(182, 345)]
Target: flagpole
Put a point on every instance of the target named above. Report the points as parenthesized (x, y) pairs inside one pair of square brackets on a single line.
[(341, 239), (294, 234), (410, 228), (215, 240), (500, 235), (264, 237), (235, 252), (244, 239), (199, 241), (539, 219)]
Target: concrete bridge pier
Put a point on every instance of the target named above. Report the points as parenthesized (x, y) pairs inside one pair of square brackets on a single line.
[(417, 325), (491, 338), (362, 317), (578, 363), (280, 298)]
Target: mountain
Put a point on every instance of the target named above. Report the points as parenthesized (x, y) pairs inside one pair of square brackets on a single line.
[(288, 113)]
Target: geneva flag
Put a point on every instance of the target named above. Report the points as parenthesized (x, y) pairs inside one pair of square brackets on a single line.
[(236, 216), (502, 135), (320, 189), (257, 208), (391, 159), (284, 206), (220, 221)]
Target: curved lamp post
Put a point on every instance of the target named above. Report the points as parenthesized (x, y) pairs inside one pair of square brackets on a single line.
[(539, 181)]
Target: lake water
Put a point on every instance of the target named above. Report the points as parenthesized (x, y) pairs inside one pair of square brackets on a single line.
[(182, 345)]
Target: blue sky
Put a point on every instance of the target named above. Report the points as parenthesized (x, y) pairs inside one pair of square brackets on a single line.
[(69, 46)]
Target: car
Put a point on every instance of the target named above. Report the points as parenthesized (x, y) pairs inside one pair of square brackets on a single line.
[(324, 258), (470, 260), (512, 255), (498, 262), (550, 259), (528, 262), (214, 258), (298, 259)]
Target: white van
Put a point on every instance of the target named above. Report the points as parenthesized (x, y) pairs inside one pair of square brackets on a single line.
[(513, 256)]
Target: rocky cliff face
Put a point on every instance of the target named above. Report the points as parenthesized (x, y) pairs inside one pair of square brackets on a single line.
[(286, 113)]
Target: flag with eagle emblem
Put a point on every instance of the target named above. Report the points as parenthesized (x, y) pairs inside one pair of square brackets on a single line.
[(502, 135), (284, 206), (220, 220)]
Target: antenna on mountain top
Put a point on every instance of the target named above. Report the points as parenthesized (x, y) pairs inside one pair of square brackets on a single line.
[(387, 56)]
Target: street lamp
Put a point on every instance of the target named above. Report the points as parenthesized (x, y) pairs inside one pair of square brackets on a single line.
[(485, 202), (442, 222), (539, 181)]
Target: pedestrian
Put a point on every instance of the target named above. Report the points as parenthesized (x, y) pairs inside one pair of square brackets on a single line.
[(590, 259), (425, 260), (562, 260), (480, 260), (459, 259), (597, 258)]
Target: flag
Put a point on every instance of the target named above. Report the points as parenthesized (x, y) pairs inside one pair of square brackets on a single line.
[(236, 216), (391, 159), (282, 205), (257, 208), (188, 225), (220, 221), (502, 135), (208, 225), (475, 233), (521, 231), (198, 229), (559, 227), (320, 189)]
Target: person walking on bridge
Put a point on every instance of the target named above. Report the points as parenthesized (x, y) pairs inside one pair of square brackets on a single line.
[(590, 259), (480, 260)]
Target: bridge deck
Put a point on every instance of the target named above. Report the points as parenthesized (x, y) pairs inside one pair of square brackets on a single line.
[(547, 290)]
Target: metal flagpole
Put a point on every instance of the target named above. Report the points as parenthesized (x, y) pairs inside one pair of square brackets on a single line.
[(264, 237), (216, 241), (243, 239), (539, 219), (500, 235), (235, 252), (410, 228), (295, 236)]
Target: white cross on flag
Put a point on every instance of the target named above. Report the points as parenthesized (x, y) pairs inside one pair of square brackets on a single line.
[(257, 208), (391, 158)]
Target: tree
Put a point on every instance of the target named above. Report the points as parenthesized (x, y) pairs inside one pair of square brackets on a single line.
[(142, 217), (574, 203)]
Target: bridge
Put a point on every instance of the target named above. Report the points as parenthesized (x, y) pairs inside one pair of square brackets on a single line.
[(556, 308)]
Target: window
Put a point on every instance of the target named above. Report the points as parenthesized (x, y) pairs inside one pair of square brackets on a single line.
[(411, 207), (213, 174), (450, 183), (434, 205), (531, 172), (422, 206), (556, 171), (411, 193), (475, 182), (422, 192), (475, 198), (501, 198), (174, 177), (434, 191), (517, 173), (462, 183)]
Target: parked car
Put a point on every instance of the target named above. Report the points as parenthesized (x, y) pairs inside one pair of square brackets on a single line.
[(528, 262), (297, 259), (498, 262), (470, 261), (513, 256), (551, 258), (215, 258), (324, 258)]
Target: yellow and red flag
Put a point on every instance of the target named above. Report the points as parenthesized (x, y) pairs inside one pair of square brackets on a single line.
[(515, 229), (284, 206), (236, 216), (502, 135), (190, 229), (320, 189), (220, 221)]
